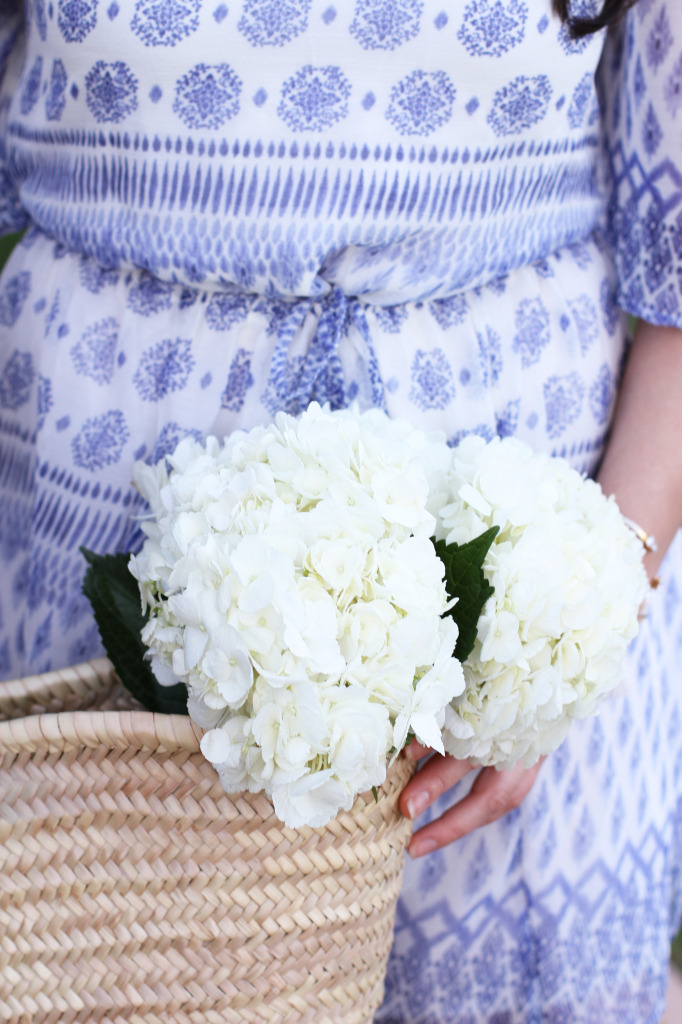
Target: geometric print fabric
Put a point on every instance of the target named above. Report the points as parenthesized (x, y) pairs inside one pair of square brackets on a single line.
[(233, 209)]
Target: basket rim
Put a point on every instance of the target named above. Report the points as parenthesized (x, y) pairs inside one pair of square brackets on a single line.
[(64, 730), (89, 673)]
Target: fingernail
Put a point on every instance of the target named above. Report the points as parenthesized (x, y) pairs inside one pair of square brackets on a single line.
[(411, 752), (417, 803), (420, 847)]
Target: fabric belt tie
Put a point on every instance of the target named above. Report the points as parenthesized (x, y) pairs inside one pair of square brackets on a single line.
[(317, 374)]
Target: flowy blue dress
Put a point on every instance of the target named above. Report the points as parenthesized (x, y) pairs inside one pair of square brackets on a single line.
[(441, 209)]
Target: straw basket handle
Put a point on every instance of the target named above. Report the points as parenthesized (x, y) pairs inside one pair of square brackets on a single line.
[(91, 684), (86, 707), (112, 730)]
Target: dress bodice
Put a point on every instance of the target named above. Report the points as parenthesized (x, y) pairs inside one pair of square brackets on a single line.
[(399, 149)]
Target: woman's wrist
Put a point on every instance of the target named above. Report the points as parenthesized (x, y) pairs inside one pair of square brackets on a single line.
[(649, 547)]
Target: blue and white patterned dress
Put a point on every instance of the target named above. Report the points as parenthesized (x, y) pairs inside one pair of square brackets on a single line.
[(234, 208)]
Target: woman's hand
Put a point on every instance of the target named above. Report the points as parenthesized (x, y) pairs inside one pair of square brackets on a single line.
[(491, 796), (642, 466)]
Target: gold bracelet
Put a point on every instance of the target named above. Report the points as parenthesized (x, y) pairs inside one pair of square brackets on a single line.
[(647, 540)]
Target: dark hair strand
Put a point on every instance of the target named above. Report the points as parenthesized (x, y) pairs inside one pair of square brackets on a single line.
[(580, 26)]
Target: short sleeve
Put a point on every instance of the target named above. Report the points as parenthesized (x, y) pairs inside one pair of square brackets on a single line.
[(641, 89), (12, 217)]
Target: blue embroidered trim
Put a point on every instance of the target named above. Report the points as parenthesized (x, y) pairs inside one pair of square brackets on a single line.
[(401, 152)]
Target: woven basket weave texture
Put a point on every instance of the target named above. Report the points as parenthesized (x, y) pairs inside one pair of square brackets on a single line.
[(134, 891)]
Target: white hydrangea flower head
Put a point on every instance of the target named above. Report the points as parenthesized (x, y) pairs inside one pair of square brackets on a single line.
[(291, 584), (569, 582)]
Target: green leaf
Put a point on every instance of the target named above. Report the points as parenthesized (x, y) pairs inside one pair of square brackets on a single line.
[(464, 579), (375, 792), (115, 598)]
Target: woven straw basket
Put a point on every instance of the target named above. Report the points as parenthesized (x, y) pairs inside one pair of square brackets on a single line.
[(134, 891)]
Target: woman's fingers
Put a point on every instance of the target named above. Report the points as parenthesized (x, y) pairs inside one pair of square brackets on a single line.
[(414, 751), (492, 795), (439, 774)]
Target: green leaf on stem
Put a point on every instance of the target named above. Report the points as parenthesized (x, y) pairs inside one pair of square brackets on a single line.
[(464, 579), (115, 598)]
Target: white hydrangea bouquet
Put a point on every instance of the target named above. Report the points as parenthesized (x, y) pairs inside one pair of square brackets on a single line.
[(566, 584), (317, 591), (289, 581)]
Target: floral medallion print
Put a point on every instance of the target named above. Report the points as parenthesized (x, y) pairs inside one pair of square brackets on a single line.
[(165, 22), (482, 430), (100, 441), (610, 310), (207, 96), (95, 277), (391, 319), (149, 295), (507, 419), (55, 100), (111, 91), (37, 13), (76, 19), (16, 380), (520, 105), (283, 386), (93, 356), (532, 334), (164, 368), (491, 27), (449, 312), (169, 438), (585, 317), (315, 98), (31, 90), (584, 106), (579, 9), (239, 381), (45, 399), (563, 402), (421, 102), (432, 383), (385, 24), (489, 355), (273, 22), (581, 254), (13, 295), (602, 395), (226, 309)]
